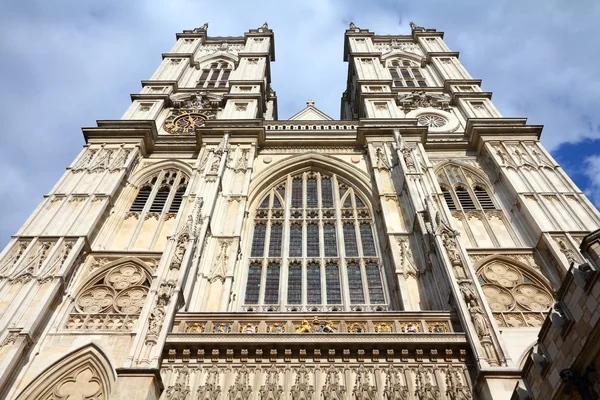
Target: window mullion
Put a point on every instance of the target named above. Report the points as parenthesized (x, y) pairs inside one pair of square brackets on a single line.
[(341, 251), (285, 242), (145, 210)]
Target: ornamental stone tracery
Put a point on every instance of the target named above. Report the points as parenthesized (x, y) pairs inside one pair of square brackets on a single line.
[(113, 301), (511, 289)]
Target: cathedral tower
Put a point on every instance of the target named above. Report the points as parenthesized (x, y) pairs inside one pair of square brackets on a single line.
[(200, 248)]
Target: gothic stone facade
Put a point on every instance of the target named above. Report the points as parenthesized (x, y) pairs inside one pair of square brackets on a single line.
[(200, 248)]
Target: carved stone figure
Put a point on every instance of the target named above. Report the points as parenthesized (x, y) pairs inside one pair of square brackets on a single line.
[(155, 322), (420, 99), (407, 261), (408, 158), (381, 162), (468, 293), (479, 321)]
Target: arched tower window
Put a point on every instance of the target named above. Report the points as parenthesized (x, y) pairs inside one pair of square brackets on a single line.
[(161, 193), (477, 215), (215, 75), (517, 297), (460, 192), (406, 73), (314, 248)]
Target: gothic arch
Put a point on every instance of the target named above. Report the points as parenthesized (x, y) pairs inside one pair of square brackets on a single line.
[(399, 54), (482, 178), (104, 269), (112, 298), (266, 179), (513, 285), (220, 55), (85, 372), (140, 177)]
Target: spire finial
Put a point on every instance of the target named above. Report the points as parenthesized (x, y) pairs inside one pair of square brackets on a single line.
[(310, 103)]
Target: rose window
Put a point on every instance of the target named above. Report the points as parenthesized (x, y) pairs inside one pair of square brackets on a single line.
[(431, 120), (507, 288)]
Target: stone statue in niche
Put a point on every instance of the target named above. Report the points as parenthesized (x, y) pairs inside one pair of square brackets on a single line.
[(479, 321), (407, 261)]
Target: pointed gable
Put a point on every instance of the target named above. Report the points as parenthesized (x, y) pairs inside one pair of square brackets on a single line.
[(310, 113)]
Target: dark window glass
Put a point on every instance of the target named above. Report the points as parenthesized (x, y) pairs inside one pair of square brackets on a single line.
[(394, 73), (410, 84), (295, 283), (312, 240), (374, 282), (465, 200), (311, 193), (253, 283), (258, 241), (326, 193), (177, 199), (405, 73), (272, 284), (484, 199), (265, 203), (276, 202), (313, 283), (348, 202), (350, 240), (275, 241), (204, 75), (332, 279), (449, 200), (295, 240), (355, 285), (359, 202), (366, 236), (160, 199), (141, 199), (417, 73), (330, 240), (297, 193)]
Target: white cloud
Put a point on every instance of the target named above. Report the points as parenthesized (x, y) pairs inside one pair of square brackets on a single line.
[(68, 63), (592, 171)]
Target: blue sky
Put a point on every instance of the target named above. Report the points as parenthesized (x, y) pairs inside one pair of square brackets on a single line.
[(66, 64)]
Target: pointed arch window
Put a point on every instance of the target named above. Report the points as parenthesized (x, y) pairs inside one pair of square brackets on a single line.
[(161, 193), (406, 73), (319, 250), (457, 191), (215, 75), (469, 197)]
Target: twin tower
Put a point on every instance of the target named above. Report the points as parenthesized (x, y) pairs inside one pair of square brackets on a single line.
[(201, 248)]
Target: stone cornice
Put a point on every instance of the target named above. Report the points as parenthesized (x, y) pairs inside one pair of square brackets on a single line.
[(122, 130), (480, 130)]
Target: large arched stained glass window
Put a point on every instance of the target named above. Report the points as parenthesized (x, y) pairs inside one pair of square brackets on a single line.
[(313, 248)]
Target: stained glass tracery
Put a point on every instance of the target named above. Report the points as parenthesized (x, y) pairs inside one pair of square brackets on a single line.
[(300, 243)]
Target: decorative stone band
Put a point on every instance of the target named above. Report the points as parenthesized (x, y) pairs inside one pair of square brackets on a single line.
[(321, 324), (101, 322)]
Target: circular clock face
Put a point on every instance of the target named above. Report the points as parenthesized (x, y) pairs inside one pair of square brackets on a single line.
[(186, 121)]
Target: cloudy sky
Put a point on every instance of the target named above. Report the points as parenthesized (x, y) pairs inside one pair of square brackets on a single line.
[(66, 64)]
